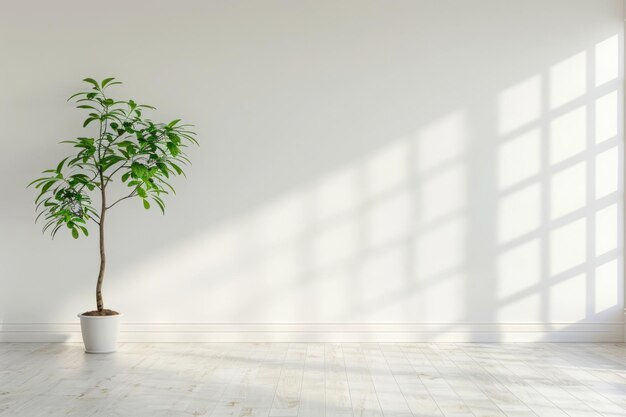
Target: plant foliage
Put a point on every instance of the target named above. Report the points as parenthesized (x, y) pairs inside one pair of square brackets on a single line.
[(126, 145)]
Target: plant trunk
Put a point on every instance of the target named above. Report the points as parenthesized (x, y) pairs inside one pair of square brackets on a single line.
[(99, 302)]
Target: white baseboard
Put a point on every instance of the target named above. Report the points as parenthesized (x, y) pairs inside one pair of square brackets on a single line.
[(345, 332)]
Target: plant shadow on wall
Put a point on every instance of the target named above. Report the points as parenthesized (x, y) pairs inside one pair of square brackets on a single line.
[(437, 226)]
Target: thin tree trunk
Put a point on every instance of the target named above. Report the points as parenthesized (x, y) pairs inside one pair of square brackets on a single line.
[(99, 301)]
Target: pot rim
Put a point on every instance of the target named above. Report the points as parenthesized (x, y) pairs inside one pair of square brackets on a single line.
[(82, 316)]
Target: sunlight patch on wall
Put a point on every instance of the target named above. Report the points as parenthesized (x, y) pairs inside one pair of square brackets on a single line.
[(441, 249), (356, 236), (280, 267), (387, 169), (606, 232), (519, 105), (607, 168), (568, 80), (445, 299), (440, 233), (568, 246), (519, 158), (519, 268), (388, 220), (519, 213), (606, 60), (606, 118), (606, 288), (568, 190), (441, 141), (282, 221), (382, 275), (288, 303), (335, 243), (568, 299), (568, 134), (443, 194), (524, 309), (562, 240), (331, 293), (215, 253), (336, 195)]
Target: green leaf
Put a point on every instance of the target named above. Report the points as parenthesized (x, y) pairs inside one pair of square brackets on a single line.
[(75, 95), (85, 231), (163, 168), (56, 229), (106, 81), (75, 233), (173, 123), (110, 160), (93, 82), (60, 166), (159, 203), (176, 167), (138, 170), (146, 205), (141, 192), (48, 185), (85, 106), (89, 120), (37, 180), (162, 181), (171, 146)]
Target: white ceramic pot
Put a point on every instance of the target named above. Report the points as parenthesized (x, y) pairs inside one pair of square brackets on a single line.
[(100, 333)]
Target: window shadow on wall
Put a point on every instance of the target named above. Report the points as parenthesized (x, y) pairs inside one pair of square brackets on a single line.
[(515, 223)]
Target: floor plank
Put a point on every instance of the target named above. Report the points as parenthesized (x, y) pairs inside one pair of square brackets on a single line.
[(315, 380)]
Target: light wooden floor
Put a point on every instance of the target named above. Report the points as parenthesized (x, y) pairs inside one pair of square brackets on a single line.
[(247, 379)]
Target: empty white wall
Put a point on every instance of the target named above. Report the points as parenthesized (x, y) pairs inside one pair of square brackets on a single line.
[(439, 170)]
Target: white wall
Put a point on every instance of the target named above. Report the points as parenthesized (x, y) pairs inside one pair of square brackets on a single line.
[(440, 170)]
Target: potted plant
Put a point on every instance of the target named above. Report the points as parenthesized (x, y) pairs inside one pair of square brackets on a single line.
[(144, 155)]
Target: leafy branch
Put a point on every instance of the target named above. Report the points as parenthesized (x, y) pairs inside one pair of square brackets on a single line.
[(144, 154)]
